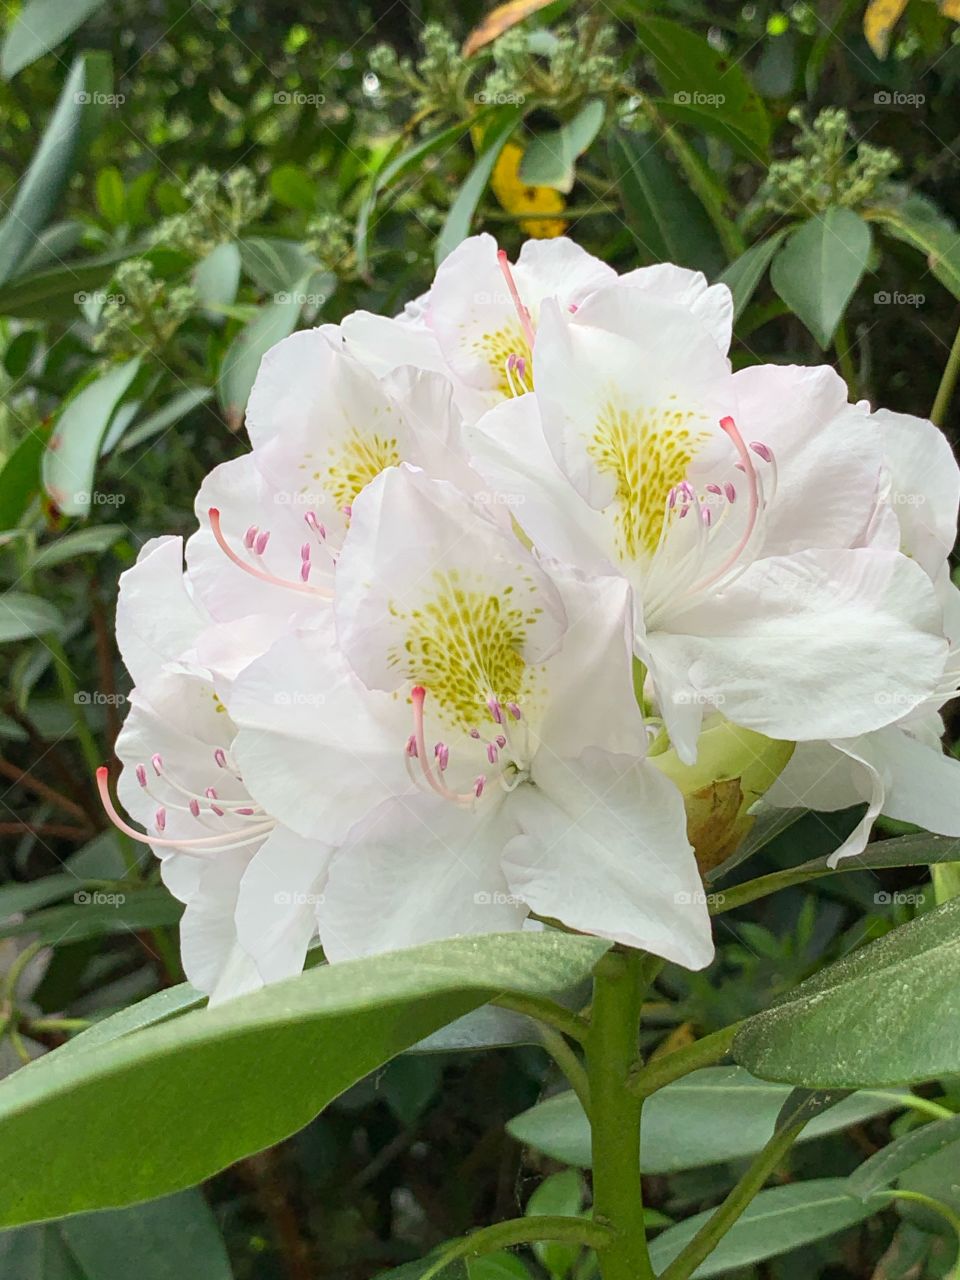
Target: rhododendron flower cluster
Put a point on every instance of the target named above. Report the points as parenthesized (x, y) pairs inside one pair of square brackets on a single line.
[(450, 635)]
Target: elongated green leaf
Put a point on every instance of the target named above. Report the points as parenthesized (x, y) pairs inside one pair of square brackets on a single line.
[(217, 277), (160, 1007), (887, 1014), (818, 269), (398, 161), (890, 1162), (39, 27), (275, 265), (550, 158), (73, 124), (163, 1240), (705, 88), (20, 478), (15, 898), (216, 1084), (94, 913), (272, 323), (667, 219), (460, 216), (53, 293), (918, 222), (23, 616), (85, 542), (177, 407), (743, 275), (71, 456), (778, 1220), (712, 1115)]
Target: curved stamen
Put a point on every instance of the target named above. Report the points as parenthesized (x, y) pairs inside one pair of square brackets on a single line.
[(522, 311), (200, 846), (417, 696), (729, 427), (254, 570)]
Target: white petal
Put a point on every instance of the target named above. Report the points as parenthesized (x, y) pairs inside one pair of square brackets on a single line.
[(828, 776), (418, 869), (277, 905), (924, 486), (417, 547), (290, 386), (157, 622), (316, 748), (212, 958), (383, 344), (817, 645), (604, 850), (711, 304)]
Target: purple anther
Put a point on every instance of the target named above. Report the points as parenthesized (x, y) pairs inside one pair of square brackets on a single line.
[(160, 818), (492, 752), (195, 808), (260, 544), (305, 551), (479, 783), (715, 488), (305, 567), (411, 747), (157, 761), (514, 710), (495, 709), (141, 775), (762, 450), (730, 491), (220, 756), (250, 536), (500, 740)]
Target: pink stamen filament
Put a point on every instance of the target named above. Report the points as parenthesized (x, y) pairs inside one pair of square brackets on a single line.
[(212, 844), (256, 571), (730, 428), (522, 311), (417, 697)]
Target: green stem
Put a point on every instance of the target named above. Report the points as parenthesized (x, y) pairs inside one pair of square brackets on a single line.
[(937, 1206), (544, 1010), (924, 1106), (58, 1024), (645, 1080), (713, 1231), (569, 1064), (502, 1235), (845, 358), (947, 383), (619, 986)]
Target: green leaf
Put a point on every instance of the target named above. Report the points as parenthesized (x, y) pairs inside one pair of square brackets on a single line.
[(177, 407), (160, 1007), (70, 460), (74, 122), (271, 324), (889, 1013), (39, 27), (560, 1195), (935, 1177), (669, 222), (20, 478), (705, 88), (294, 187), (497, 1266), (549, 159), (818, 269), (395, 164), (214, 1085), (23, 616), (110, 196), (711, 1115), (52, 294), (917, 221), (217, 278), (743, 275), (162, 1240), (94, 913), (890, 1162), (457, 225), (84, 542), (275, 266), (15, 898), (778, 1220)]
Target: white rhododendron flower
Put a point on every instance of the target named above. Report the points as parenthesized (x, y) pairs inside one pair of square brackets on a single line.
[(483, 565), (900, 771)]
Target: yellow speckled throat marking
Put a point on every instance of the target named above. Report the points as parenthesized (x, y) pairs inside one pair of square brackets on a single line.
[(464, 645), (353, 462), (496, 348), (648, 451)]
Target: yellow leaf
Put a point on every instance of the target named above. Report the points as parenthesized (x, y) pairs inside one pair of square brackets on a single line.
[(950, 9), (517, 196), (679, 1038), (498, 21), (878, 23)]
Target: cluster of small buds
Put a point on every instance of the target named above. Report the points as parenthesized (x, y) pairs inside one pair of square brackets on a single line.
[(329, 240), (140, 308), (827, 169), (436, 82), (216, 210), (560, 69)]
